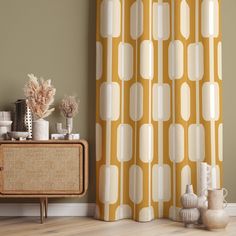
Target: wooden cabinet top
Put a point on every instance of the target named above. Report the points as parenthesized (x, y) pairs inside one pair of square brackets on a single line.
[(44, 142)]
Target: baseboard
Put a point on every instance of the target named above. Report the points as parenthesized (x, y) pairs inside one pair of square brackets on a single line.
[(65, 209), (54, 209), (231, 209)]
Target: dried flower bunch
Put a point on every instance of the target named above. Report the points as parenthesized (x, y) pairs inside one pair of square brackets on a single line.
[(69, 106), (40, 96)]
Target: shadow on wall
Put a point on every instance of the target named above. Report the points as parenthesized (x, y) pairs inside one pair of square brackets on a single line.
[(92, 98)]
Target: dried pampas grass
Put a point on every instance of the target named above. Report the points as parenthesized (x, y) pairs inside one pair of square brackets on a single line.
[(40, 96), (69, 106)]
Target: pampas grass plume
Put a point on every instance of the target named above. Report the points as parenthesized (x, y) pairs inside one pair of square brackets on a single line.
[(39, 96), (69, 106)]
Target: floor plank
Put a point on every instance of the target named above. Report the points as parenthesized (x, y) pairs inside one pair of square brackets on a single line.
[(80, 226)]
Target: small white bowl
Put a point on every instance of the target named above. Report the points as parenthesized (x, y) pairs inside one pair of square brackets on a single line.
[(18, 135)]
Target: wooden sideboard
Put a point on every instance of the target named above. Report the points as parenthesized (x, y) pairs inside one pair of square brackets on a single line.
[(43, 169)]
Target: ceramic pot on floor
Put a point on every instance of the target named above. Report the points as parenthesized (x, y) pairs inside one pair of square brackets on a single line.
[(215, 217), (40, 129), (189, 213)]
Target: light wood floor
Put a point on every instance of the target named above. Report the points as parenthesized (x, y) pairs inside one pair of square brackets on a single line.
[(76, 226)]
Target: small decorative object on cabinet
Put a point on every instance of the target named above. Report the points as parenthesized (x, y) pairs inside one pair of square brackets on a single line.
[(215, 217), (189, 213), (69, 107), (5, 124), (23, 117), (60, 130), (40, 96), (64, 136), (15, 135), (43, 169), (4, 128)]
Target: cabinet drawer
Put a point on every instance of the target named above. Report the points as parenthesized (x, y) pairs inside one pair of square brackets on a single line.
[(42, 169)]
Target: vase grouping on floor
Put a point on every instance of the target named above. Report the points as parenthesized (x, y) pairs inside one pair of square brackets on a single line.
[(210, 204)]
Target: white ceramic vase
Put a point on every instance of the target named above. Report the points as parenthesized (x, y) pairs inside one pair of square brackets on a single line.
[(189, 199), (205, 172), (40, 129), (69, 124), (216, 218), (202, 206)]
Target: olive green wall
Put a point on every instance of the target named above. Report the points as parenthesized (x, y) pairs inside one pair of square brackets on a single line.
[(55, 39), (229, 96)]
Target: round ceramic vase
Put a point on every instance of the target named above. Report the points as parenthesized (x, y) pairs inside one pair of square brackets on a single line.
[(189, 199), (40, 129), (189, 216), (189, 213), (215, 217)]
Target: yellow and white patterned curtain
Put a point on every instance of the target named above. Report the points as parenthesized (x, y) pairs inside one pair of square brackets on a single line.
[(159, 109)]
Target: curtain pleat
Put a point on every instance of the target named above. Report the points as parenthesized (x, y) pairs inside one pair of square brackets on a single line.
[(159, 108)]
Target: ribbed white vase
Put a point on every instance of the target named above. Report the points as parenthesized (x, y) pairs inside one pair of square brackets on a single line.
[(40, 129)]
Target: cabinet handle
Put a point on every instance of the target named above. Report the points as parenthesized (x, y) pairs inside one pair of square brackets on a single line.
[(1, 168)]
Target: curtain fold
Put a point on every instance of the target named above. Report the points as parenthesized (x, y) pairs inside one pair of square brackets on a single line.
[(159, 108)]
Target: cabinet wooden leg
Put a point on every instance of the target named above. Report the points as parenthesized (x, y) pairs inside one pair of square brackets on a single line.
[(42, 208), (46, 207)]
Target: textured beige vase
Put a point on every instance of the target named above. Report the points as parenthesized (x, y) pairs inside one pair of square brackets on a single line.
[(189, 199), (215, 218), (189, 214)]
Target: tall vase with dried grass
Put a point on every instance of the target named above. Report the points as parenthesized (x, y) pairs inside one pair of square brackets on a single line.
[(40, 96), (69, 107)]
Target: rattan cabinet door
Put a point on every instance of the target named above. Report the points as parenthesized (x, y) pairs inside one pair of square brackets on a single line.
[(42, 169)]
